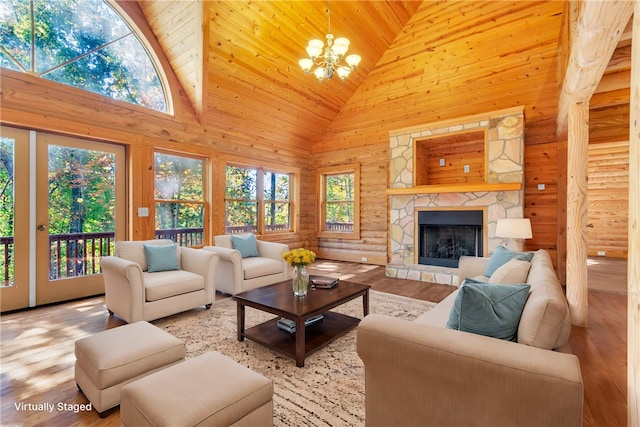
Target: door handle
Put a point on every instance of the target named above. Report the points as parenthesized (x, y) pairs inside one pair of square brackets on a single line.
[(42, 227)]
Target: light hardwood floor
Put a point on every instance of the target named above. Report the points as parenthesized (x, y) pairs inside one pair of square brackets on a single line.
[(37, 349)]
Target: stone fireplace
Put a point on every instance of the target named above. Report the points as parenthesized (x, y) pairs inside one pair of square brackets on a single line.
[(446, 235), (499, 195)]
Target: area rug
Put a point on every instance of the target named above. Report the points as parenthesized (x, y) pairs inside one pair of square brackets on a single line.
[(327, 391)]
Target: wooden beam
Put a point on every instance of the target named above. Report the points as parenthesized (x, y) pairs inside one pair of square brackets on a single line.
[(598, 30), (202, 61), (578, 144), (633, 266)]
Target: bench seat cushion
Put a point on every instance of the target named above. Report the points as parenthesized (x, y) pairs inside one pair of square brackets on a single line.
[(260, 266), (167, 284)]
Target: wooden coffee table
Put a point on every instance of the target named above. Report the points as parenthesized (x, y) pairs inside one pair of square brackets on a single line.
[(278, 299)]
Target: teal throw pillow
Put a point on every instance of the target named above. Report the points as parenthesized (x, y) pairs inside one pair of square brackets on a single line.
[(246, 244), (161, 257), (488, 309), (503, 255)]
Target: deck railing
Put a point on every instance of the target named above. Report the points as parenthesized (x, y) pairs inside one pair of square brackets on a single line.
[(78, 254)]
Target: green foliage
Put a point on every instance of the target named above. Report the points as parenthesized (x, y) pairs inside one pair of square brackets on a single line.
[(81, 190), (340, 194), (80, 43), (6, 187), (179, 179), (241, 197)]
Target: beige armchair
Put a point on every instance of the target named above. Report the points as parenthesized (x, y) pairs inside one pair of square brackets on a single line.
[(134, 293), (236, 274)]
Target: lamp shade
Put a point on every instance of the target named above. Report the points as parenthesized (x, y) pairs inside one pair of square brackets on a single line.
[(514, 228)]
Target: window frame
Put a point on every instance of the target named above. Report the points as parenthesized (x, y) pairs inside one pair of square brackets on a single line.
[(294, 176), (321, 179), (138, 28), (206, 206)]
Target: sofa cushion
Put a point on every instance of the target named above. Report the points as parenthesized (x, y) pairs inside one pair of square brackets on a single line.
[(514, 271), (167, 284), (501, 256), (133, 250), (259, 266), (546, 320), (223, 240), (488, 309), (246, 244), (161, 257)]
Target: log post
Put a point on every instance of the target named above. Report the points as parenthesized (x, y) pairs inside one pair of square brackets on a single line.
[(577, 144), (633, 259)]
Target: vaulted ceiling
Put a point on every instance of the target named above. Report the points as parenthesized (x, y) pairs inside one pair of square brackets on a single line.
[(237, 61)]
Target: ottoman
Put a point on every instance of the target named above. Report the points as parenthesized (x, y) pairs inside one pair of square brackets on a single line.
[(208, 390), (108, 360)]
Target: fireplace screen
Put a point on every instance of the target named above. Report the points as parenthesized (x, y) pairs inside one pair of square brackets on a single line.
[(445, 236)]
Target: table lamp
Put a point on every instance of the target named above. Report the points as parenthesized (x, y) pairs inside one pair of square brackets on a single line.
[(514, 229)]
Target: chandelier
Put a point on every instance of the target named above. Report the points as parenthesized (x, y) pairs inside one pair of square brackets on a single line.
[(328, 64)]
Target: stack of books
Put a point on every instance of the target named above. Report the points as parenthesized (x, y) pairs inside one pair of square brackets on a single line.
[(290, 326), (322, 282)]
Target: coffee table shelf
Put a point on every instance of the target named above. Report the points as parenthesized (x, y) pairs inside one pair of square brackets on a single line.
[(317, 336), (278, 299)]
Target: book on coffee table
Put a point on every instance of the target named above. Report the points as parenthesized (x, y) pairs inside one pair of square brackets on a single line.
[(323, 282), (290, 326)]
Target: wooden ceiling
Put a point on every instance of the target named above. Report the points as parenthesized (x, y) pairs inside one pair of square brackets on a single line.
[(254, 85), (237, 61)]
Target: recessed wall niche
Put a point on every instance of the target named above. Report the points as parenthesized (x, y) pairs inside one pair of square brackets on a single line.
[(456, 158)]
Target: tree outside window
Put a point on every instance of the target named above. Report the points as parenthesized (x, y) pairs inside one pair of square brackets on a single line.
[(81, 43), (257, 200), (339, 205), (179, 198)]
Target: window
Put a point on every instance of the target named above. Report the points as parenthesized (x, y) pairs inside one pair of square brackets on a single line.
[(80, 43), (340, 201), (7, 258), (257, 200), (180, 206)]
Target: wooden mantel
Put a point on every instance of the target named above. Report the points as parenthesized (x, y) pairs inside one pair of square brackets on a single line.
[(458, 188)]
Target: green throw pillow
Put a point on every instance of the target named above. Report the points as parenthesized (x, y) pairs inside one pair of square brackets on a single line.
[(161, 257), (246, 244), (503, 255), (488, 309)]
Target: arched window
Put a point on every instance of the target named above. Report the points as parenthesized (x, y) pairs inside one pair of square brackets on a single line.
[(80, 43)]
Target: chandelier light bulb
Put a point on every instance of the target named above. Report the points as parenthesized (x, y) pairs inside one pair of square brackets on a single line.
[(353, 60), (306, 65), (343, 73), (319, 73)]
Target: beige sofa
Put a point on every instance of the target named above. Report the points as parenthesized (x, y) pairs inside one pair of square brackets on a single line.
[(421, 373), (236, 274), (134, 293)]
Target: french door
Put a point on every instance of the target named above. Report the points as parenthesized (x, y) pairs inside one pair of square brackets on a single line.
[(73, 191)]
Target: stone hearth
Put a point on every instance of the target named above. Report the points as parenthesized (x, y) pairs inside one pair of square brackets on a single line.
[(504, 158)]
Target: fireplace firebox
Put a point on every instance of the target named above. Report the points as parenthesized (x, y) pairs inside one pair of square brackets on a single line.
[(446, 235)]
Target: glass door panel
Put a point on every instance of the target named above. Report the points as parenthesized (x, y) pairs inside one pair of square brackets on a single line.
[(80, 214), (14, 219)]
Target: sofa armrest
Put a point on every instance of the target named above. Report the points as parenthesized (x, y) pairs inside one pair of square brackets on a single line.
[(202, 263), (124, 287), (471, 266), (225, 254), (272, 250), (418, 374), (275, 250), (229, 274)]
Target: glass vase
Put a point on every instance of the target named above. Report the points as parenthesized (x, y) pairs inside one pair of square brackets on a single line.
[(300, 280)]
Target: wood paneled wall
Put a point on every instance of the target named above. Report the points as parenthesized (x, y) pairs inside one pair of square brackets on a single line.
[(608, 209), (33, 103), (413, 84)]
